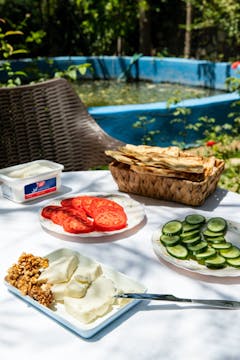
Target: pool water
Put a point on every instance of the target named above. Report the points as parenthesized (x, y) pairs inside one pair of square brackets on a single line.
[(111, 92)]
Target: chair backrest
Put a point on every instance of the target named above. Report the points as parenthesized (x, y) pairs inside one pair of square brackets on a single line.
[(48, 120)]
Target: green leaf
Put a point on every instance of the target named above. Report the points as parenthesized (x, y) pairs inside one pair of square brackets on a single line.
[(11, 32), (21, 73), (18, 81), (20, 51), (72, 74)]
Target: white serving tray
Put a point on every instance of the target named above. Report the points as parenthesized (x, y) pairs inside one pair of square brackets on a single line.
[(59, 314)]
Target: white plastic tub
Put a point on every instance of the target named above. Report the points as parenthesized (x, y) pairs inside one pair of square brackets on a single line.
[(25, 182)]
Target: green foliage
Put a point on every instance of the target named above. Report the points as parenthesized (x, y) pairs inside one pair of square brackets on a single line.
[(103, 22), (90, 27), (36, 37), (227, 147), (225, 138), (230, 179), (211, 130), (233, 83), (182, 117), (144, 123), (7, 50), (219, 14), (94, 27), (73, 71), (216, 27), (15, 78)]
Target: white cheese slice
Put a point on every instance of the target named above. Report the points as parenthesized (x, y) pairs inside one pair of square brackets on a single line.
[(59, 270), (97, 301), (76, 289), (87, 270), (59, 291), (72, 288), (123, 285)]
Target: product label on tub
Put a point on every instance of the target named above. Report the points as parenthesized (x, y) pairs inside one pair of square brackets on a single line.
[(39, 188)]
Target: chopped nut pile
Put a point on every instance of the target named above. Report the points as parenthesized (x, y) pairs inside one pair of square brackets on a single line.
[(24, 276)]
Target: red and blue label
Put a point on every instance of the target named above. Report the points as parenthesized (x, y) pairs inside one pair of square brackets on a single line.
[(40, 188)]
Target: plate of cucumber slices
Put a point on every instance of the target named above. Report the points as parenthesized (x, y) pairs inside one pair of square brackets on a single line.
[(209, 246)]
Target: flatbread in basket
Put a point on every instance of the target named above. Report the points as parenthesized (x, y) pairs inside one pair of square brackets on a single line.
[(165, 173)]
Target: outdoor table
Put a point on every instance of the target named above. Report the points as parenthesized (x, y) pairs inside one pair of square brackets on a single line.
[(150, 330)]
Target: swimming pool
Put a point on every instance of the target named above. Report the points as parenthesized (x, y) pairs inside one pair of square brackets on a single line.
[(113, 92), (118, 120)]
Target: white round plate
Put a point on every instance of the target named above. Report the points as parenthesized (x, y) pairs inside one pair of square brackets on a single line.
[(133, 209), (232, 235)]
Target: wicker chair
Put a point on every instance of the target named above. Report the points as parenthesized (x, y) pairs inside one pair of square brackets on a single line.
[(49, 121)]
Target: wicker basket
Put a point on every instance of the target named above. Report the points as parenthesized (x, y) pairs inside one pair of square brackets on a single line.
[(165, 188)]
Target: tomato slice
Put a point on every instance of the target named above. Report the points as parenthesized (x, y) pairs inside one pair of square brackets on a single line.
[(48, 211), (67, 202), (83, 202), (108, 218), (58, 215), (74, 225), (99, 202), (81, 214)]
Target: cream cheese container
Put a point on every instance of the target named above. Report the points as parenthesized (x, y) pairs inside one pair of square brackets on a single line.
[(25, 182)]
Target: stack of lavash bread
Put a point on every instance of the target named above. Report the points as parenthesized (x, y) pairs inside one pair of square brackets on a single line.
[(167, 162)]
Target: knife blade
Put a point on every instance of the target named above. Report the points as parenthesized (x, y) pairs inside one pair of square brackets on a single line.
[(230, 304)]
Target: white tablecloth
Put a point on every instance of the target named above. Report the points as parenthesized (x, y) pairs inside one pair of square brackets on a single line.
[(151, 330)]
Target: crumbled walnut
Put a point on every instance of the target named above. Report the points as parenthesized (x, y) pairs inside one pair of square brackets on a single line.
[(42, 294), (24, 276)]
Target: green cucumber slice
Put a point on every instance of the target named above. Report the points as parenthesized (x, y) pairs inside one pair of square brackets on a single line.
[(178, 251), (231, 253), (173, 227), (210, 233), (188, 227), (200, 247), (194, 219), (234, 262), (215, 240), (217, 224), (192, 241), (215, 262), (189, 234), (221, 245), (206, 254), (169, 240)]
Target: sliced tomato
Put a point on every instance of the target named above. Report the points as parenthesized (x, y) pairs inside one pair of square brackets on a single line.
[(56, 216), (99, 202), (81, 214), (60, 215), (108, 218), (47, 211), (67, 202), (83, 202), (74, 225)]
